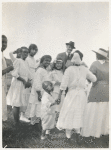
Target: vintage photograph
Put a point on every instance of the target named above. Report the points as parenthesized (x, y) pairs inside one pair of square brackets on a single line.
[(55, 74)]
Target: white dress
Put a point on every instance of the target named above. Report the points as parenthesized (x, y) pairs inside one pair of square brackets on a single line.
[(47, 112), (4, 90), (71, 114), (15, 93), (34, 106), (56, 76)]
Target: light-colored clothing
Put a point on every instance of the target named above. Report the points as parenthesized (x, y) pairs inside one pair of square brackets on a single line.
[(71, 114), (32, 64), (15, 93), (56, 76), (34, 106), (96, 115), (47, 112), (4, 90)]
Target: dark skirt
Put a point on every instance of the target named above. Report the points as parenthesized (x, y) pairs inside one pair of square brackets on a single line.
[(99, 92)]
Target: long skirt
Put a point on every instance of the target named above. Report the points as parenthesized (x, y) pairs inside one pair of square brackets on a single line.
[(96, 119), (71, 114)]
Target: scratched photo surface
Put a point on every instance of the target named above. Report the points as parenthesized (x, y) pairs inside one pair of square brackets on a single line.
[(55, 74)]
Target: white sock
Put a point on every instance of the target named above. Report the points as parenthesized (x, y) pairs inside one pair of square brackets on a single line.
[(68, 133)]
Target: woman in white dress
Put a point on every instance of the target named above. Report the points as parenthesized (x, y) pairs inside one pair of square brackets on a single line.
[(41, 75), (71, 114), (21, 79)]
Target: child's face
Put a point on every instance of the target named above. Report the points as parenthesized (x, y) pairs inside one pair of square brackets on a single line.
[(58, 65), (19, 53), (33, 52), (46, 62), (24, 53), (50, 87)]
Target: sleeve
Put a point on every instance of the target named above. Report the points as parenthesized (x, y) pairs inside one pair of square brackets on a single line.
[(15, 72), (93, 69), (12, 57), (91, 76), (65, 80)]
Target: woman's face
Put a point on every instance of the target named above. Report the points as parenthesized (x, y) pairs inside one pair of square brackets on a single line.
[(58, 65), (46, 62)]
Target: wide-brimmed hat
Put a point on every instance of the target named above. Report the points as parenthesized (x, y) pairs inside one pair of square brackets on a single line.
[(71, 44), (102, 52)]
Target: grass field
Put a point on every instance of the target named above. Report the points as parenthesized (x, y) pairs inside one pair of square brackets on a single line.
[(28, 136)]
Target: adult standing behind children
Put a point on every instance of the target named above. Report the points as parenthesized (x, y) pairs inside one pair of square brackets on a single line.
[(67, 56), (5, 70)]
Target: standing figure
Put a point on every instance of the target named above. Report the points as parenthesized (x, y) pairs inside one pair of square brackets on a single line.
[(67, 56), (56, 76), (41, 75), (5, 70), (96, 116), (32, 65), (21, 79), (71, 114), (47, 109)]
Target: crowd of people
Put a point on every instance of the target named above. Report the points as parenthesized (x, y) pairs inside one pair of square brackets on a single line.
[(55, 93)]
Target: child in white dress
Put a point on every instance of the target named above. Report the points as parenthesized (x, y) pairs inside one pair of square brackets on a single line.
[(56, 76), (71, 114), (21, 79), (34, 106), (47, 109)]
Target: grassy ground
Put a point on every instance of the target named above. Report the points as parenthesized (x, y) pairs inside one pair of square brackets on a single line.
[(28, 136)]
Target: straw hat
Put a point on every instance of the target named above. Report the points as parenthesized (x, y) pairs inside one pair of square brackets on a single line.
[(102, 52)]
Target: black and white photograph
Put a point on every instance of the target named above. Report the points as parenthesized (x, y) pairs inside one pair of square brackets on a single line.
[(55, 74)]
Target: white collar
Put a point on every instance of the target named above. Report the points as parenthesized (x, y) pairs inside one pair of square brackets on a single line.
[(102, 61)]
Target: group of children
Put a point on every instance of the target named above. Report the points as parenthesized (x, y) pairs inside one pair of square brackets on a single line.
[(27, 87)]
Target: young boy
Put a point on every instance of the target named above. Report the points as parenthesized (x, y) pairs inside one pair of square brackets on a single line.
[(47, 109)]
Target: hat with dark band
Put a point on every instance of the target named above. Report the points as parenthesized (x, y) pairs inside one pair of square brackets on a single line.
[(71, 44), (102, 52)]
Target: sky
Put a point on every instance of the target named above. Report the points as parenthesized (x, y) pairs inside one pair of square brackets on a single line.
[(50, 25)]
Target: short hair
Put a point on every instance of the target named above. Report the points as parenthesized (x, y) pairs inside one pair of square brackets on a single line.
[(24, 47), (100, 57), (80, 54), (19, 50), (44, 57), (45, 84), (3, 36), (33, 46)]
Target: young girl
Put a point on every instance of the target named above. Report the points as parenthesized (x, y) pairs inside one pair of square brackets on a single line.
[(34, 107), (71, 114), (47, 109), (56, 77), (21, 76), (18, 52)]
